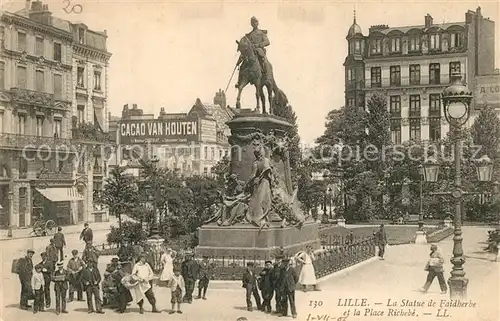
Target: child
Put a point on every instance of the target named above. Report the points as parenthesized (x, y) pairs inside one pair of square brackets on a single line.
[(37, 283), (177, 286)]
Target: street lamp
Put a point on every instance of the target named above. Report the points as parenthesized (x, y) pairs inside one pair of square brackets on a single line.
[(154, 232), (456, 102), (421, 210)]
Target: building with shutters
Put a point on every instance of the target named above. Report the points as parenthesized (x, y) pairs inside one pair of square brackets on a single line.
[(40, 143), (412, 65)]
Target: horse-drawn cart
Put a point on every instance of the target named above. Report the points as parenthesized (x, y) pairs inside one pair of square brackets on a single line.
[(44, 228)]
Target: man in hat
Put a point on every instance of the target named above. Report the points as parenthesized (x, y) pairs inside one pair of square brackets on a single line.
[(47, 271), (90, 280), (190, 269), (144, 274), (381, 237), (75, 267), (126, 255), (90, 254), (59, 242), (87, 234), (51, 251), (25, 272), (203, 277), (266, 285), (288, 284), (123, 294), (60, 279), (277, 278), (250, 284)]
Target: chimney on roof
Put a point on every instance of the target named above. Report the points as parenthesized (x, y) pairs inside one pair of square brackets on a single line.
[(428, 21), (134, 106), (40, 13), (27, 7), (220, 98), (478, 11)]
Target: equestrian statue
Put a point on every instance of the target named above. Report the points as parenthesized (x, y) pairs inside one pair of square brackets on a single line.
[(255, 69)]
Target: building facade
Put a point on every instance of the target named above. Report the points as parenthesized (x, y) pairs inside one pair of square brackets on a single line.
[(38, 154), (412, 65)]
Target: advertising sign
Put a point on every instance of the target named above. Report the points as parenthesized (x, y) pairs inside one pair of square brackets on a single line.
[(487, 90), (159, 131)]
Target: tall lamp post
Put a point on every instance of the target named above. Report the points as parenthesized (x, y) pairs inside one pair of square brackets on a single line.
[(421, 238), (154, 231), (456, 102)]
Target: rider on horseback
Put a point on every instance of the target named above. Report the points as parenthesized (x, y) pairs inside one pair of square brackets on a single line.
[(259, 40)]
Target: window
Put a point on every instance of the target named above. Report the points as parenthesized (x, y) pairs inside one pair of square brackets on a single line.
[(21, 77), (205, 151), (57, 128), (40, 80), (414, 105), (39, 46), (455, 40), (21, 41), (2, 75), (351, 102), (395, 106), (81, 36), (376, 77), (414, 74), (205, 170), (57, 51), (81, 114), (351, 77), (434, 105), (58, 86), (212, 153), (39, 126), (97, 80), (395, 75), (414, 43), (1, 121), (21, 124), (434, 74), (435, 42), (415, 129), (396, 45), (454, 67), (357, 46), (80, 77), (434, 129), (376, 46), (396, 133)]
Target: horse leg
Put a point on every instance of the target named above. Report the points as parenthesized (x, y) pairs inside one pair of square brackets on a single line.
[(257, 99), (263, 99), (241, 84), (270, 97)]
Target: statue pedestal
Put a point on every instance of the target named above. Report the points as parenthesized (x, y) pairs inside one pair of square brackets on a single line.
[(421, 238), (245, 240)]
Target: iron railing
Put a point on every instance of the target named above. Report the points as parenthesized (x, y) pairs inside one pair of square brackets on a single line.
[(32, 142)]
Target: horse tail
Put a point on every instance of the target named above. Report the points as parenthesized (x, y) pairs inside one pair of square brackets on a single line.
[(279, 96)]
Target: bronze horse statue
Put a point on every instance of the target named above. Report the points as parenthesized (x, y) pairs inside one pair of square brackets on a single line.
[(252, 73)]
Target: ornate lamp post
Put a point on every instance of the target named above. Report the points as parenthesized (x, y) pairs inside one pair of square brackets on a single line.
[(154, 232), (456, 101)]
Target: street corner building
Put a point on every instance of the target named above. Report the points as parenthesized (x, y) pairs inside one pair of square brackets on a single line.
[(53, 118), (412, 65), (190, 143)]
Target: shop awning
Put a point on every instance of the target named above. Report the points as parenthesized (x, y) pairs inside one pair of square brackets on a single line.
[(61, 194)]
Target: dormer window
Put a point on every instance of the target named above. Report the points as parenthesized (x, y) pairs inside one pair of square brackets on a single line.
[(414, 43), (376, 45), (395, 45), (357, 46), (81, 36), (455, 40), (434, 41)]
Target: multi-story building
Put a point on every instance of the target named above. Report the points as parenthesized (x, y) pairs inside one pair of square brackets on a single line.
[(38, 154), (412, 65), (190, 143)]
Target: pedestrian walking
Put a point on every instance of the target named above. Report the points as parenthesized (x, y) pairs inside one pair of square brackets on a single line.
[(266, 286), (123, 293), (381, 239), (250, 285), (143, 273), (204, 277), (60, 279), (59, 243), (48, 269), (167, 260), (87, 235), (37, 283), (52, 255), (24, 270), (90, 280), (434, 267), (288, 284), (307, 277), (90, 254), (277, 277), (75, 267), (177, 286), (189, 271)]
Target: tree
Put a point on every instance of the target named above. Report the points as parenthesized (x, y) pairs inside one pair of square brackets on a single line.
[(486, 133), (119, 193)]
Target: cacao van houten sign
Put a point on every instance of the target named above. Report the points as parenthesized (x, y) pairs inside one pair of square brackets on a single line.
[(159, 131)]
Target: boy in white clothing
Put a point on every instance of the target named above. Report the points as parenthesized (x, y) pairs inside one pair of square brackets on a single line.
[(177, 287), (37, 284)]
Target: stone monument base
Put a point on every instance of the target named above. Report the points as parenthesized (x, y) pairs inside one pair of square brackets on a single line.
[(244, 240), (421, 238)]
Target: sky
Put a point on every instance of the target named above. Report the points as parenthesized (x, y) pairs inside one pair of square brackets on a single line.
[(168, 54)]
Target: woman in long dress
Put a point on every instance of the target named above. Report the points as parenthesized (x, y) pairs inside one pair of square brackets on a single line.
[(307, 275), (167, 259)]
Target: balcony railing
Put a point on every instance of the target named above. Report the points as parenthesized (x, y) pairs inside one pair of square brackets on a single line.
[(55, 176), (32, 97), (16, 141), (89, 132)]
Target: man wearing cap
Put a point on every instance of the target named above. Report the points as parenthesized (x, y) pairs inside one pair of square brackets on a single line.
[(90, 254), (143, 273), (266, 286), (90, 280), (126, 255), (277, 277), (59, 243), (203, 277), (190, 270), (87, 234), (124, 296), (75, 267), (47, 271), (51, 251), (381, 237), (60, 279), (250, 284), (288, 284), (25, 272)]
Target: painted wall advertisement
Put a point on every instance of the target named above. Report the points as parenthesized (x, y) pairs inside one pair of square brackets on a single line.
[(159, 131), (487, 90)]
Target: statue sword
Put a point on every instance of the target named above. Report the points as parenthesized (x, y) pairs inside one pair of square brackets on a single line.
[(232, 75)]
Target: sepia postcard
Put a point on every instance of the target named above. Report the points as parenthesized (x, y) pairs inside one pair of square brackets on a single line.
[(250, 160)]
